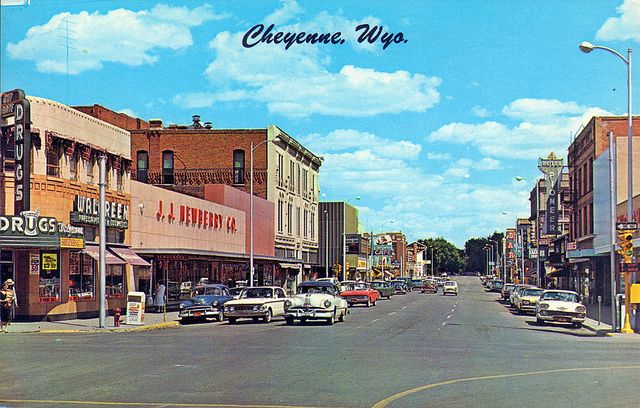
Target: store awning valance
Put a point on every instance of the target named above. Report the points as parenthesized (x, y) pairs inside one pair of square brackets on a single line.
[(290, 265), (94, 252), (555, 272), (129, 256)]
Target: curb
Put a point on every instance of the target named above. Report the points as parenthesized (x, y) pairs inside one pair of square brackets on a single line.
[(599, 331), (157, 326)]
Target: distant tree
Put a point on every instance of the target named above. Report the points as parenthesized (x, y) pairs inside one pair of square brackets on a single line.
[(447, 258), (475, 257)]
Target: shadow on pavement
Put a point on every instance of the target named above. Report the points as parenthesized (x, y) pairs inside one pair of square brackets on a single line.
[(535, 328)]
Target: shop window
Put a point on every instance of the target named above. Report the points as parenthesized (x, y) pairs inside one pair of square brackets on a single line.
[(81, 277), (90, 233), (238, 167), (115, 236), (115, 282), (49, 290), (6, 265), (167, 167), (142, 166), (53, 162)]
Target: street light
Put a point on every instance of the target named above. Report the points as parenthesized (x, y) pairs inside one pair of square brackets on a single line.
[(326, 243), (587, 47), (537, 183), (496, 259), (252, 149)]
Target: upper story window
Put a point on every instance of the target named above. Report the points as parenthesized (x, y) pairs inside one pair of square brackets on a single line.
[(90, 167), (167, 167), (73, 166), (120, 179), (53, 161), (298, 180), (292, 176), (238, 167), (142, 166), (280, 169)]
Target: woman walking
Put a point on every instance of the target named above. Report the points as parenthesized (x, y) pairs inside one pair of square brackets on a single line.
[(7, 303)]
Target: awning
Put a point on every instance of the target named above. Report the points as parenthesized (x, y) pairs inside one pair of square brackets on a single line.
[(129, 256), (290, 265), (94, 252), (553, 272)]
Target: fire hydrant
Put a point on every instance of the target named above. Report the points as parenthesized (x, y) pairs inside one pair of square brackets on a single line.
[(116, 317)]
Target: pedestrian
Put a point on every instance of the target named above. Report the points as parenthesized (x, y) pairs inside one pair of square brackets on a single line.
[(158, 298), (8, 303)]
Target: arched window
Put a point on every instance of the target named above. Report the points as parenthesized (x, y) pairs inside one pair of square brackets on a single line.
[(167, 167), (142, 166), (238, 167)]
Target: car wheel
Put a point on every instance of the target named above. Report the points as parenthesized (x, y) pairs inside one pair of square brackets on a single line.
[(185, 320), (289, 320), (220, 317), (539, 322), (577, 325), (255, 319), (343, 316), (332, 319), (267, 316), (374, 303), (368, 302), (388, 296), (232, 320), (303, 320)]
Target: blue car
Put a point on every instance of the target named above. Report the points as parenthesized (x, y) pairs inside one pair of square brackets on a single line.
[(208, 302)]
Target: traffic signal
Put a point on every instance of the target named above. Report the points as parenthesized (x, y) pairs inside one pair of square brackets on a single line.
[(626, 245)]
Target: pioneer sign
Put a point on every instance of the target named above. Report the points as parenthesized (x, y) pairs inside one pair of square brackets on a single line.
[(552, 168)]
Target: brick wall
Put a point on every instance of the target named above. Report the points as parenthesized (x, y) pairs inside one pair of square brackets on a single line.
[(120, 120)]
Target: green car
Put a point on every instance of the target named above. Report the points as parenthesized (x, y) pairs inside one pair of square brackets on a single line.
[(408, 281), (385, 288)]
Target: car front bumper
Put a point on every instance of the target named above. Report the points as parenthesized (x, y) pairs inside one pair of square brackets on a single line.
[(309, 313), (560, 317), (199, 312), (239, 314)]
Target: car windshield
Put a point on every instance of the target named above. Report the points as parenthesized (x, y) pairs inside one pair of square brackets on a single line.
[(449, 283), (532, 292), (561, 296), (254, 293), (355, 286), (315, 289), (216, 291)]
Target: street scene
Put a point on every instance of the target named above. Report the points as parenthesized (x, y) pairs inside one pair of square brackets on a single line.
[(291, 203)]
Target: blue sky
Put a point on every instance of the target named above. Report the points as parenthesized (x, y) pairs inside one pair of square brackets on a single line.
[(428, 133)]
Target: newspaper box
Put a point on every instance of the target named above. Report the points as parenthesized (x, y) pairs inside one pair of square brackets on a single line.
[(135, 308)]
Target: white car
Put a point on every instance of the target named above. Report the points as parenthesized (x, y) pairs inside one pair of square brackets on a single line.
[(450, 287), (560, 306), (316, 300), (526, 301), (257, 303)]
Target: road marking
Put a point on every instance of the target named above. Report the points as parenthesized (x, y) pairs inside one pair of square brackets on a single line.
[(404, 307), (149, 404), (453, 310), (392, 313), (443, 323), (385, 402), (374, 320)]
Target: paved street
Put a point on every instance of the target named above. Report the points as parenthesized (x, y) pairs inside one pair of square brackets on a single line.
[(462, 351)]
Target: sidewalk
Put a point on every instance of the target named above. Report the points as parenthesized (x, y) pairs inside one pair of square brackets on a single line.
[(152, 321)]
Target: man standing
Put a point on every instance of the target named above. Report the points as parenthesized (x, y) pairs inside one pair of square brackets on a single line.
[(7, 304)]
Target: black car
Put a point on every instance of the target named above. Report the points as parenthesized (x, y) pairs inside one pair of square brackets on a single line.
[(208, 302)]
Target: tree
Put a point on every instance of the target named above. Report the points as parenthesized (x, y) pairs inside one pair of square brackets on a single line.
[(447, 258), (475, 256)]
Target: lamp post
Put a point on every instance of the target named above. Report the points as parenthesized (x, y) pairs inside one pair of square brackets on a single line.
[(252, 149), (496, 259), (537, 226), (326, 243), (587, 47)]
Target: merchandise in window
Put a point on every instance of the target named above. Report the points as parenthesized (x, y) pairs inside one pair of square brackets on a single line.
[(49, 290), (115, 282), (81, 277)]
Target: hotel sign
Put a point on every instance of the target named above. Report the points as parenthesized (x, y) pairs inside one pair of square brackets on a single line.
[(86, 210), (552, 168)]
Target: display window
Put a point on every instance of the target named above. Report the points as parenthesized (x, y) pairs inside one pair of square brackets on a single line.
[(115, 281), (81, 277), (49, 290)]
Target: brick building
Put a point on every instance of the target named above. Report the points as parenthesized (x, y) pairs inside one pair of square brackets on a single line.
[(187, 158)]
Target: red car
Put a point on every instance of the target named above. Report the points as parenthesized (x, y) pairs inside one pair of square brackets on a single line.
[(360, 292)]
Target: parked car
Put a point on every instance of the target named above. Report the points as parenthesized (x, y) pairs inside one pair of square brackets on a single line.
[(316, 300), (495, 285), (173, 290), (208, 302), (430, 285), (385, 288), (526, 301), (407, 281), (450, 287), (360, 293), (561, 306), (235, 292), (185, 290), (506, 290), (257, 303), (515, 292), (400, 287)]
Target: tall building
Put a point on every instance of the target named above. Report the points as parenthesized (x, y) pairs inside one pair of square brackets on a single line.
[(339, 225)]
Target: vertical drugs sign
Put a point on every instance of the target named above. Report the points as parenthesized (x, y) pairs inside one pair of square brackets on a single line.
[(16, 105)]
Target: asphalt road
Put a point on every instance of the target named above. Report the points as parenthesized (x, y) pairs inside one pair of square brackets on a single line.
[(414, 350)]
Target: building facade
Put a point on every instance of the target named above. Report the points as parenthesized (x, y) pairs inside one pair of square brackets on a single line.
[(341, 250), (49, 241)]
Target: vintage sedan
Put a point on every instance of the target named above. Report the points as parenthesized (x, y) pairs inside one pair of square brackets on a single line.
[(430, 285), (257, 303), (360, 293), (208, 302), (385, 288), (400, 287), (560, 306), (316, 300), (526, 301), (449, 287)]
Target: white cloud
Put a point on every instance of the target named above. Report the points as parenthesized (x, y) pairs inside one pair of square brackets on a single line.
[(340, 140), (119, 36), (480, 112), (461, 168), (299, 82), (623, 28), (438, 156), (289, 9), (545, 126), (129, 112)]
